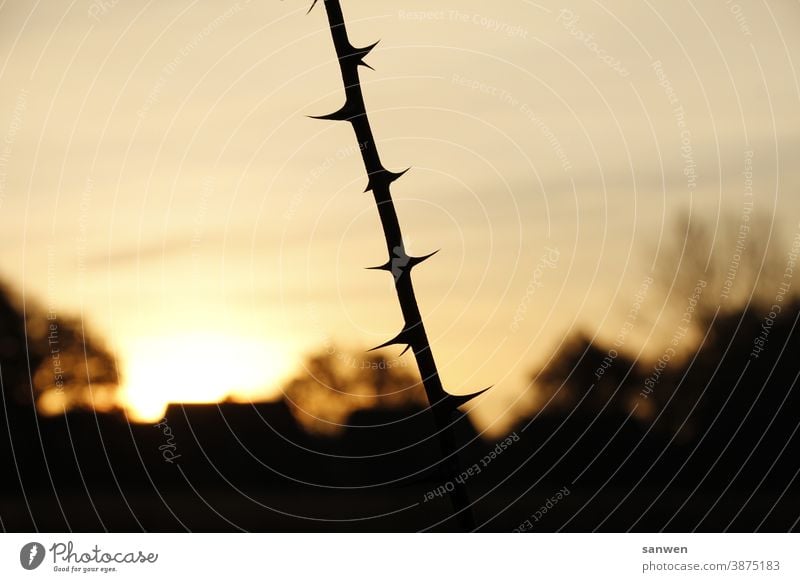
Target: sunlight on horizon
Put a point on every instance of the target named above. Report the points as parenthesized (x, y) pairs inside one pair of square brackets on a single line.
[(199, 368), (164, 183)]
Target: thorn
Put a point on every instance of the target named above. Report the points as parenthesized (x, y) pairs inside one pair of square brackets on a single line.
[(395, 175), (414, 261), (363, 52), (387, 266), (401, 263), (314, 3), (383, 175), (455, 401), (404, 337), (359, 54), (343, 114), (353, 57)]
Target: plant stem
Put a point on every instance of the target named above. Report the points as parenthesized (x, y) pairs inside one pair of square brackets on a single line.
[(443, 405)]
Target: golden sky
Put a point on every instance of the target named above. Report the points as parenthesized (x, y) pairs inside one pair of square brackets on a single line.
[(159, 176)]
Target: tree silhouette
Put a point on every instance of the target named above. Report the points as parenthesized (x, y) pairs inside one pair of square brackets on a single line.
[(333, 385), (696, 384), (52, 362), (740, 259)]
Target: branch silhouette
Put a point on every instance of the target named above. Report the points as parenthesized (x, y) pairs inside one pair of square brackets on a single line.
[(443, 405)]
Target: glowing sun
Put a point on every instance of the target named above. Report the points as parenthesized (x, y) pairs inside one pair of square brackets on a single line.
[(196, 368)]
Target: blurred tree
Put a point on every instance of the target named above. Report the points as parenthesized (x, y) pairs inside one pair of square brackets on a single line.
[(742, 263), (740, 258), (14, 359), (52, 361), (334, 384)]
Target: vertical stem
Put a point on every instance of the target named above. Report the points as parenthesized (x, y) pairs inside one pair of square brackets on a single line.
[(442, 405)]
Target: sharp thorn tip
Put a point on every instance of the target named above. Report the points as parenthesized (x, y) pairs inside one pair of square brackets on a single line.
[(384, 267), (399, 339), (413, 261), (458, 400), (342, 114)]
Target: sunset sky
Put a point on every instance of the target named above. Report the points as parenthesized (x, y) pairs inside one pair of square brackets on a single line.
[(160, 177)]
